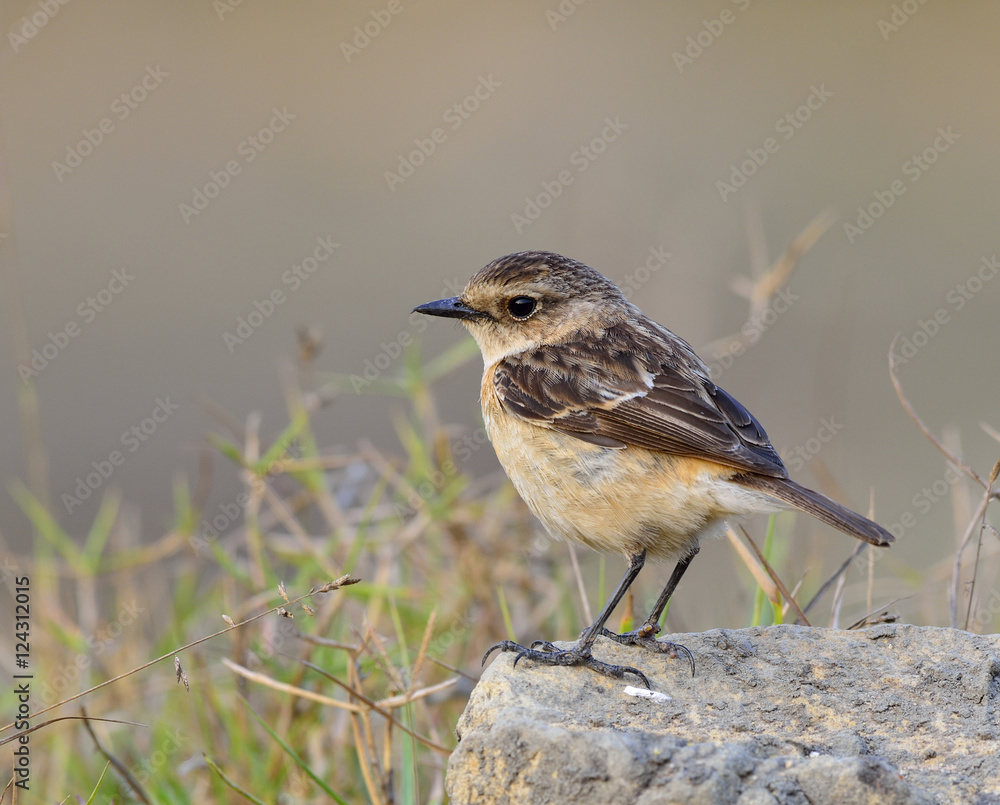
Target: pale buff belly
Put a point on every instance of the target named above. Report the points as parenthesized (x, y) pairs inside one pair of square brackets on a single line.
[(618, 500)]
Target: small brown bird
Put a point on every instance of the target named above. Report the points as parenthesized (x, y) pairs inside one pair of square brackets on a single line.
[(613, 432)]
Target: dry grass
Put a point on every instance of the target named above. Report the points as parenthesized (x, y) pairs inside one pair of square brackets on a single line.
[(278, 679), (300, 690)]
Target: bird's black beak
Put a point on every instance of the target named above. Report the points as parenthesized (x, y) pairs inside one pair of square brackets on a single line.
[(453, 308)]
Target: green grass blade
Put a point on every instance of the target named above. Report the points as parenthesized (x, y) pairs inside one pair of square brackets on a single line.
[(184, 513), (768, 554), (299, 761), (228, 449), (282, 443), (100, 780), (46, 525), (450, 360), (505, 612), (241, 791), (99, 532)]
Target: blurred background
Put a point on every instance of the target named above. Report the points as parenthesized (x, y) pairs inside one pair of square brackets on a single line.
[(186, 184)]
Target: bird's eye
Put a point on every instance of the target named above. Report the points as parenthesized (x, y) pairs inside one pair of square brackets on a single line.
[(520, 307)]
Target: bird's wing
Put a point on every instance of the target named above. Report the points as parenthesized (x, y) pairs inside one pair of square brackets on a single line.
[(641, 387)]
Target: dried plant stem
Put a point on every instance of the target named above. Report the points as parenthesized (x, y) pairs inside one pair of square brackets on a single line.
[(923, 428), (760, 290), (378, 706), (170, 654), (588, 618), (363, 741), (871, 580), (778, 582), (864, 620), (834, 577), (978, 519), (759, 574), (838, 599), (137, 789)]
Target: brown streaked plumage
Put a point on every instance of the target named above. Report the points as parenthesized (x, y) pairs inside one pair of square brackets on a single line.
[(613, 432)]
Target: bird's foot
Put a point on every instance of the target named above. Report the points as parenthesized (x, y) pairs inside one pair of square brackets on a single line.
[(544, 652), (645, 636)]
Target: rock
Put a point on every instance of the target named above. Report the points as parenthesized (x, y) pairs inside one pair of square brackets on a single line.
[(783, 715)]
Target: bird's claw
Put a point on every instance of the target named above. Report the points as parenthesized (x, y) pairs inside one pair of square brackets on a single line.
[(503, 645), (645, 637), (577, 655)]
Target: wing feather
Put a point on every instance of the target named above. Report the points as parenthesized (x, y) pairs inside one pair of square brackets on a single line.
[(635, 386)]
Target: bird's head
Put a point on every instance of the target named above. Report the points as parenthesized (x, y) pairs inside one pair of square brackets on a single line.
[(529, 299)]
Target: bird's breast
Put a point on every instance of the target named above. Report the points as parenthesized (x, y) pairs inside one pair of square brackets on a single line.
[(612, 500)]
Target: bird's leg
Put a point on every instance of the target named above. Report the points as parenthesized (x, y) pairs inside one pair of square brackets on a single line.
[(646, 634), (579, 654)]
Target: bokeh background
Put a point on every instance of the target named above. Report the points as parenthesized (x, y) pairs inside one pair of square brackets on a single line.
[(200, 151)]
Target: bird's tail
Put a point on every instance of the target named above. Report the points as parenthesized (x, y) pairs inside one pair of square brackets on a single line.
[(818, 506)]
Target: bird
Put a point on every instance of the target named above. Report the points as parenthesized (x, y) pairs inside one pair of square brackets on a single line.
[(613, 433)]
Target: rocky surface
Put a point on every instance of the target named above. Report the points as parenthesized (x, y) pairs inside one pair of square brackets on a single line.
[(775, 716)]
